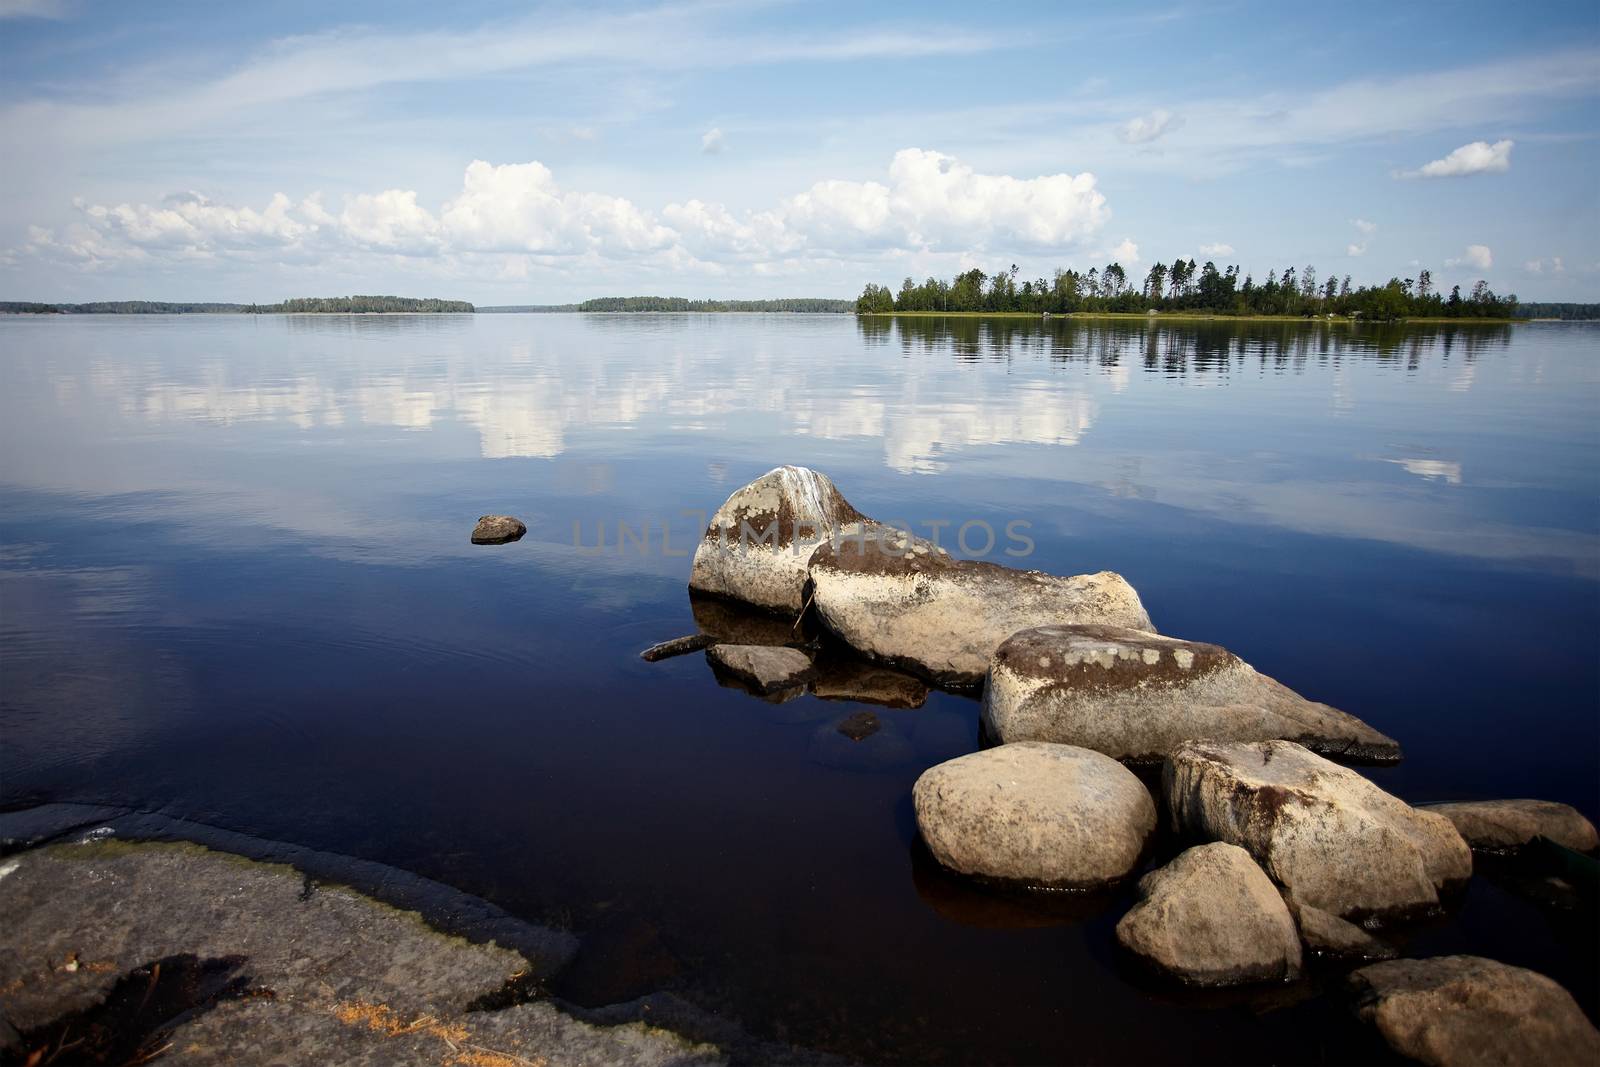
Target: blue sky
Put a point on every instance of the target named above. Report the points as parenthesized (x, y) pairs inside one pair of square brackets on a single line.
[(514, 153)]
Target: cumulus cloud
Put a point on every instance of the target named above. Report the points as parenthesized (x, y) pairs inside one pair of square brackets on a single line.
[(1479, 157), (1218, 249), (930, 203), (711, 141), (1127, 250), (1366, 229), (1476, 256), (1538, 266), (1145, 128)]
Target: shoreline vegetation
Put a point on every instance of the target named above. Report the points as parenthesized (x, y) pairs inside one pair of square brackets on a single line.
[(1182, 289), (312, 305)]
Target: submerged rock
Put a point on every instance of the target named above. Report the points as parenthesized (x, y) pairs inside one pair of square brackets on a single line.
[(116, 950), (1211, 917), (1453, 1010), (860, 726), (1041, 814), (852, 679), (1136, 695), (1508, 825), (1331, 937), (497, 530), (904, 601), (1329, 836), (759, 543), (763, 668)]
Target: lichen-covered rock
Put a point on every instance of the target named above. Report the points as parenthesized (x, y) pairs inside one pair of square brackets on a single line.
[(1328, 835), (1035, 813), (1507, 825), (255, 963), (1456, 1010), (764, 668), (1211, 917), (904, 601), (1333, 938), (497, 530), (1137, 695), (759, 543)]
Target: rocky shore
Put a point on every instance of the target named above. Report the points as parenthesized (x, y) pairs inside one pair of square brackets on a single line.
[(1294, 856)]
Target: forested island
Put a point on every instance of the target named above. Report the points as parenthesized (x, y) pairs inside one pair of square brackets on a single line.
[(329, 305), (634, 304), (1182, 287)]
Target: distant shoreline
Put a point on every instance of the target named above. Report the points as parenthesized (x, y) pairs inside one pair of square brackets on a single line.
[(1183, 316)]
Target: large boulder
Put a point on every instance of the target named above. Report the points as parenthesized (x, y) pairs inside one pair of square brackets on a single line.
[(1211, 917), (1453, 1010), (1329, 836), (1507, 825), (1040, 814), (904, 601), (759, 543), (1137, 695)]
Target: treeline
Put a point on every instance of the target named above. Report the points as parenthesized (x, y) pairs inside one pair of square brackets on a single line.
[(801, 305), (361, 305), (1558, 311), (119, 307), (1181, 286)]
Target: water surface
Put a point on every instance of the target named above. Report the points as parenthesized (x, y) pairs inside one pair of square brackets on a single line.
[(236, 587)]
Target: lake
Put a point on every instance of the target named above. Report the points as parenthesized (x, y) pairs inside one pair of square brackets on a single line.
[(236, 588)]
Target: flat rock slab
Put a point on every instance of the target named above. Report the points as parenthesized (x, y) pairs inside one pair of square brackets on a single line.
[(1329, 836), (1212, 917), (1507, 825), (1335, 939), (1457, 1010), (298, 972), (497, 530), (763, 668), (1034, 813), (902, 600), (758, 545), (1136, 696)]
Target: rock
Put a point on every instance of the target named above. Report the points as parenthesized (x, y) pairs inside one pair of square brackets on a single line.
[(759, 543), (497, 530), (860, 726), (1211, 917), (1507, 825), (678, 646), (904, 601), (1136, 696), (1453, 1010), (1332, 937), (1328, 835), (763, 668), (852, 679), (261, 965), (733, 623), (883, 748), (1041, 814)]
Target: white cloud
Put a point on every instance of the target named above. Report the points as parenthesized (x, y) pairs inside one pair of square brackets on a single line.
[(1537, 266), (1127, 251), (711, 141), (1479, 157), (931, 203), (1476, 256), (1146, 128), (1366, 229), (1218, 249)]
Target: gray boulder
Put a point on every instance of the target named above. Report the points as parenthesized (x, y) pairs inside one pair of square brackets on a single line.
[(1211, 917), (1455, 1010), (1329, 836), (759, 543), (763, 668), (1041, 814), (1136, 695), (1333, 938), (902, 600), (1507, 825), (497, 530)]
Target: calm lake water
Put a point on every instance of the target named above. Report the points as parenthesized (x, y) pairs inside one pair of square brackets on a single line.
[(236, 587)]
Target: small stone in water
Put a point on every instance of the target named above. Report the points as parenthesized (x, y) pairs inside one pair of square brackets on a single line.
[(860, 726), (497, 530)]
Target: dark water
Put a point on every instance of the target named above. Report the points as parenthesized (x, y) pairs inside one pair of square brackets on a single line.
[(236, 587)]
